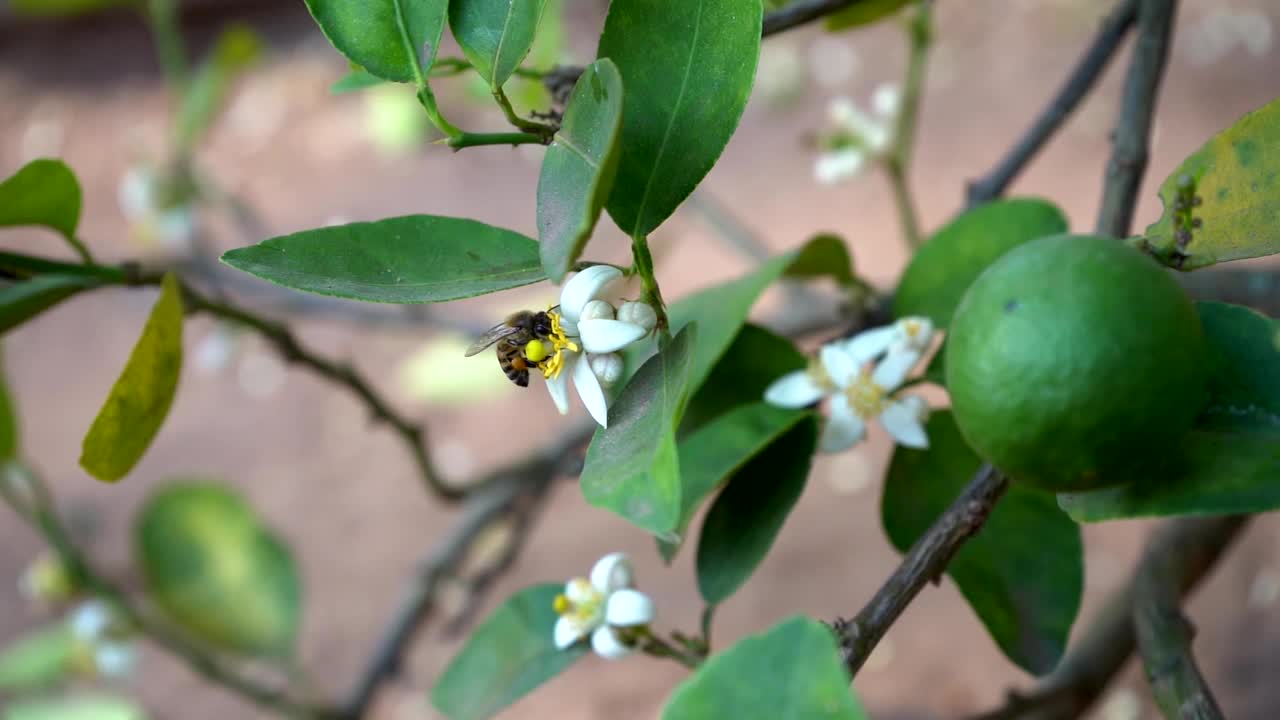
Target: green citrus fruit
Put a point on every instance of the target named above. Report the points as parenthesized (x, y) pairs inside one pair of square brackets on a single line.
[(1075, 362)]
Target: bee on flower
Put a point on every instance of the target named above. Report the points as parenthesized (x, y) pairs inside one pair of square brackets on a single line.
[(857, 138), (859, 378)]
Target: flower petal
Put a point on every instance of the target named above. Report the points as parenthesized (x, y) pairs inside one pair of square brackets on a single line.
[(606, 336), (866, 345), (568, 632), (903, 419), (580, 591), (607, 644), (844, 428), (91, 619), (558, 386), (839, 364), (591, 392), (612, 572), (115, 660), (893, 369), (626, 608), (913, 333), (584, 287), (793, 390), (837, 166), (886, 100)]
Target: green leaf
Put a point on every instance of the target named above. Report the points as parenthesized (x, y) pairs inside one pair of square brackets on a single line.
[(791, 671), (753, 361), (392, 39), (355, 80), (717, 451), (864, 13), (216, 570), (75, 707), (140, 399), (579, 167), (21, 301), (1023, 574), (9, 436), (411, 259), (495, 35), (688, 67), (45, 193), (1230, 461), (236, 49), (62, 8), (1223, 202), (39, 659), (824, 254), (632, 466), (944, 267), (510, 654), (745, 519)]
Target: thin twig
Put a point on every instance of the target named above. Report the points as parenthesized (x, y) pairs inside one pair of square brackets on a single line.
[(897, 163), (1078, 86), (516, 491), (1187, 549), (1164, 633), (924, 563), (803, 11), (38, 509), (1133, 133)]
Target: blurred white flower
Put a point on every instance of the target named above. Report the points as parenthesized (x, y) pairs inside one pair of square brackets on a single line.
[(855, 137), (1222, 30), (603, 607), (106, 645), (151, 222)]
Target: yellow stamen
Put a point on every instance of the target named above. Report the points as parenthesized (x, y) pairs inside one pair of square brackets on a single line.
[(561, 604), (552, 366), (866, 397), (535, 350)]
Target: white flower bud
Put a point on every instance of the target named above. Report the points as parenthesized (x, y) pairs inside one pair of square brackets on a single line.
[(608, 368), (638, 313), (115, 660), (596, 310)]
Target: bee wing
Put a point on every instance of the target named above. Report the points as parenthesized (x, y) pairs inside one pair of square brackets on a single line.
[(491, 336)]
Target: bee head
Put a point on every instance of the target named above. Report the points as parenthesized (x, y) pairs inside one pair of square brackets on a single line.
[(542, 324)]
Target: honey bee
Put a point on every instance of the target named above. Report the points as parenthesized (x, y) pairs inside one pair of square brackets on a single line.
[(511, 337)]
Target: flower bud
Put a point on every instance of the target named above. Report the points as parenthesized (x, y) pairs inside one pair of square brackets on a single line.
[(608, 368), (638, 313), (596, 310)]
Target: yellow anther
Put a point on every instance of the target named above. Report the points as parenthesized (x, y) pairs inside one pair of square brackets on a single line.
[(535, 350), (553, 365), (866, 397), (561, 604)]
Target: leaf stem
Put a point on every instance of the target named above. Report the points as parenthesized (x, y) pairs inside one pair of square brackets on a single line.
[(162, 17), (542, 130), (428, 102), (651, 644), (466, 139), (650, 292), (897, 163)]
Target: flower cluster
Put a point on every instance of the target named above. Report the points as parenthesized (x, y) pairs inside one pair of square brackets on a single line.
[(586, 334), (606, 607), (153, 219), (859, 378), (104, 646), (856, 137)]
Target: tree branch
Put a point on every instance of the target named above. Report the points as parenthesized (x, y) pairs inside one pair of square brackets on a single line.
[(1077, 87), (801, 12), (1164, 633), (924, 563), (1185, 549), (1132, 135)]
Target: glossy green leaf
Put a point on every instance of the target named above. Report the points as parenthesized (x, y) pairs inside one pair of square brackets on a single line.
[(45, 193), (1230, 461), (1223, 202), (1023, 574), (632, 466), (508, 656), (792, 671), (824, 254), (755, 359), (411, 259), (236, 49), (495, 35), (710, 456), (392, 39), (953, 257), (83, 706), (746, 518), (140, 399), (214, 568), (38, 659), (688, 67), (21, 301), (355, 80), (9, 436), (864, 13), (579, 167)]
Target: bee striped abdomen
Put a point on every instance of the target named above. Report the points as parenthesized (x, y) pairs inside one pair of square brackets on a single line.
[(511, 359)]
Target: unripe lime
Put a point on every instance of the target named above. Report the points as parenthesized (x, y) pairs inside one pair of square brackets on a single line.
[(1075, 362)]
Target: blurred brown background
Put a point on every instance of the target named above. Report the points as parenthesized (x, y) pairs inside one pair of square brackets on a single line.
[(344, 493)]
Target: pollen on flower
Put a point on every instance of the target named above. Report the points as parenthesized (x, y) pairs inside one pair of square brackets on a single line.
[(865, 396), (560, 604), (586, 608), (535, 350), (817, 373), (552, 366)]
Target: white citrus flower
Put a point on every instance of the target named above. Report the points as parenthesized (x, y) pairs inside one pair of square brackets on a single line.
[(601, 606), (115, 659), (585, 323), (859, 387), (857, 137), (91, 620)]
